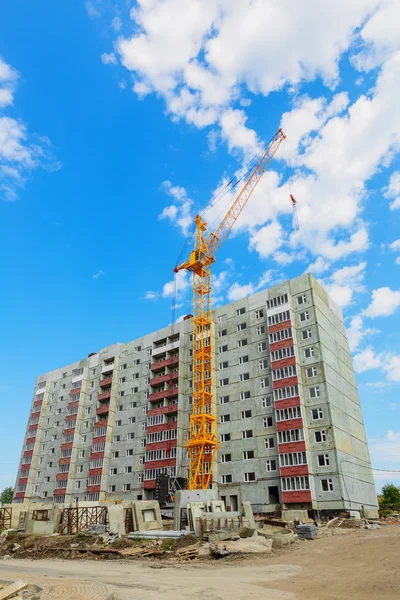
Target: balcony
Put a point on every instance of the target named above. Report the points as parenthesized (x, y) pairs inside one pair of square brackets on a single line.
[(33, 427), (104, 396), (22, 481), (75, 392), (167, 347), (28, 453), (69, 431), (281, 383), (67, 446), (96, 455), (296, 497), (299, 446), (73, 404), (64, 461), (38, 403), (164, 410), (20, 495), (93, 488), (106, 382), (99, 439), (294, 470), (150, 484), (109, 368), (25, 467), (60, 491), (171, 393), (289, 424), (164, 378), (94, 472), (280, 326), (62, 476), (70, 418), (157, 366), (30, 440), (101, 424), (103, 410)]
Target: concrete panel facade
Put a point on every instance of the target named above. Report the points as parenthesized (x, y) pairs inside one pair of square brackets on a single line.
[(289, 416)]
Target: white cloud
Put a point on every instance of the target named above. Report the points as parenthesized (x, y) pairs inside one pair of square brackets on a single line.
[(181, 283), (397, 261), (237, 291), (395, 245), (318, 266), (93, 8), (393, 190), (385, 454), (151, 295), (267, 239), (366, 360), (357, 331), (109, 59), (20, 152), (99, 274), (386, 361), (116, 23), (180, 214), (343, 283), (384, 302), (204, 69)]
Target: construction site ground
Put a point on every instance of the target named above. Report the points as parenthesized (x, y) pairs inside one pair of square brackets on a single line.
[(341, 564)]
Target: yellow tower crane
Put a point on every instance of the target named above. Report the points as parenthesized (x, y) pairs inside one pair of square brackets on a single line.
[(202, 444)]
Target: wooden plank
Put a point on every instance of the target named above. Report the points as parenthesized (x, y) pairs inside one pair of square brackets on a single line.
[(12, 589)]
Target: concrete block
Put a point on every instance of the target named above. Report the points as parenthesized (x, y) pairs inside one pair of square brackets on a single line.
[(248, 513), (279, 538), (253, 545), (116, 519), (185, 497), (294, 515), (146, 515)]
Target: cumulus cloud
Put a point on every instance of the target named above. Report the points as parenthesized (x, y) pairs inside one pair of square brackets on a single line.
[(98, 274), (393, 190), (151, 295), (384, 302), (386, 361), (343, 283), (237, 291), (20, 151), (180, 213), (357, 331), (108, 59)]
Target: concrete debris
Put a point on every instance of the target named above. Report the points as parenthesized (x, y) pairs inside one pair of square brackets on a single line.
[(372, 526), (12, 589), (254, 545), (280, 537), (15, 547), (3, 537), (7, 556)]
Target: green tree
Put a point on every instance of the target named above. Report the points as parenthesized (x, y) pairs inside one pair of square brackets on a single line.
[(6, 495), (390, 494)]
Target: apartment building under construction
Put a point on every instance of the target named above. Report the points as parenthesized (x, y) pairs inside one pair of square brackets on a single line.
[(289, 418)]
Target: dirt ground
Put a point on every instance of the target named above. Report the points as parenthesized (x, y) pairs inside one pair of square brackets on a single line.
[(357, 564)]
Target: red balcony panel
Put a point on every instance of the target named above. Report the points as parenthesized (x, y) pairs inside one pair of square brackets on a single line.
[(164, 410), (35, 415), (171, 393), (33, 427), (70, 418), (281, 344), (100, 424), (69, 431), (149, 485), (62, 476), (167, 377), (285, 362), (162, 427), (287, 403), (294, 471), (25, 467), (93, 488), (296, 497), (96, 455), (99, 439), (106, 382), (60, 492), (66, 446), (161, 445), (158, 464), (94, 472), (276, 385), (103, 410), (30, 440), (292, 447), (104, 396), (38, 403), (73, 404), (289, 424), (75, 392), (22, 480), (279, 326), (157, 366), (64, 461), (28, 453), (22, 494)]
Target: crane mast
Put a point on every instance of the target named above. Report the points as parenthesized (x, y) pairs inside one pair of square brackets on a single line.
[(202, 444)]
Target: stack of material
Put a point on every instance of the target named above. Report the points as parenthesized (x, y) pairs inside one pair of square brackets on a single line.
[(308, 532)]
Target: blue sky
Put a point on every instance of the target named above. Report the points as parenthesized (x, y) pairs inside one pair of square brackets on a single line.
[(119, 120)]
